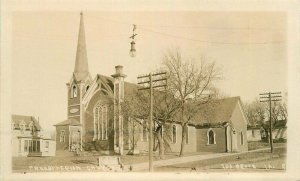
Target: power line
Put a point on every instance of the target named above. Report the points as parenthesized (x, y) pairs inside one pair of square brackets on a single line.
[(212, 42), (140, 26), (185, 26)]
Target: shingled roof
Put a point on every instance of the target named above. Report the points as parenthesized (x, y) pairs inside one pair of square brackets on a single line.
[(216, 112), (71, 122), (129, 88), (17, 119)]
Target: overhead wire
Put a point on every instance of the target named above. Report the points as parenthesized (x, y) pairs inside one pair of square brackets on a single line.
[(143, 28)]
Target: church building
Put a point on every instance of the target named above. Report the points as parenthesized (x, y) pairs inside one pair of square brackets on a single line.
[(95, 122)]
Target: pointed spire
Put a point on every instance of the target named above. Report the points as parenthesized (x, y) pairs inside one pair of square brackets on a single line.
[(81, 70)]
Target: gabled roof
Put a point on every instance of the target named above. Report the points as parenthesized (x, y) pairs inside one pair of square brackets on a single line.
[(216, 112), (129, 88), (17, 119), (70, 122)]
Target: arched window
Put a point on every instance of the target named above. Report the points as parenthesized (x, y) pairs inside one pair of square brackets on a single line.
[(174, 133), (242, 138), (74, 91), (211, 137), (187, 135), (100, 122), (87, 88)]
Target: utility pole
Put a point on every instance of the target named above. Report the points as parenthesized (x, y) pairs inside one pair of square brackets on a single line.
[(148, 81), (270, 97)]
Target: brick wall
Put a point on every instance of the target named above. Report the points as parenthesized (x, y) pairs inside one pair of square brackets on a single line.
[(89, 122)]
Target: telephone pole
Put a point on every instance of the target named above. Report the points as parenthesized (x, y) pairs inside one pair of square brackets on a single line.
[(270, 97), (148, 81)]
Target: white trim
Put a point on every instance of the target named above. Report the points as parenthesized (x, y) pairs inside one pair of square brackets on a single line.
[(74, 105), (207, 134), (72, 91), (100, 133), (73, 116), (243, 113)]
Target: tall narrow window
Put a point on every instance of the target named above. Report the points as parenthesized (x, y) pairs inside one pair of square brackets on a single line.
[(38, 146), (242, 138), (211, 137), (87, 88), (22, 127), (47, 146), (100, 122), (20, 141), (187, 135), (74, 91), (26, 146), (62, 136), (174, 132)]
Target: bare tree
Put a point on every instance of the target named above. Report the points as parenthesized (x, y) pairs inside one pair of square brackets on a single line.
[(258, 114), (190, 84)]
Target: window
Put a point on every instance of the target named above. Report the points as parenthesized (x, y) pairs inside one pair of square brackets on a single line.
[(38, 146), (74, 91), (30, 145), (187, 135), (26, 146), (144, 131), (242, 138), (100, 122), (62, 136), (211, 137), (87, 88), (47, 146), (20, 141), (162, 132), (174, 131), (22, 127)]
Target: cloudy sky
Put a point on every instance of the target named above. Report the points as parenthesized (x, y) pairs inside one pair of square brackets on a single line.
[(250, 47)]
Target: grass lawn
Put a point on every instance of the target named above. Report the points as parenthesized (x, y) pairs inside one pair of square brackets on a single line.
[(86, 163), (254, 145), (254, 161)]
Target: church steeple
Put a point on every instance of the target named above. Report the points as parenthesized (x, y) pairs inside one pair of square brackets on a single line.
[(81, 70)]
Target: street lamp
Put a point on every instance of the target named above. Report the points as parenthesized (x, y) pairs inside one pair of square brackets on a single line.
[(132, 51)]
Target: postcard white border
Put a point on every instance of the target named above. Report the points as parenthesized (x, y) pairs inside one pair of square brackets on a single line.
[(290, 7)]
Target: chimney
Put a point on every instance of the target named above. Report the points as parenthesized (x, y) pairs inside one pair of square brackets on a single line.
[(119, 72)]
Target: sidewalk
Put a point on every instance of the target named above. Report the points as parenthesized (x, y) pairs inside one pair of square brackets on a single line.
[(179, 160)]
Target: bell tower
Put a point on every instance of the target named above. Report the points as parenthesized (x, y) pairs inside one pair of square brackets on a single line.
[(80, 80)]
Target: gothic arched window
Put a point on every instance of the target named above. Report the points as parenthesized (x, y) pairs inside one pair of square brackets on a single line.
[(74, 91), (174, 133), (100, 122), (144, 131), (187, 135), (242, 138), (211, 137)]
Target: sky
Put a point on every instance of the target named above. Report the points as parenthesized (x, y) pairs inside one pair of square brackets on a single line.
[(249, 48)]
